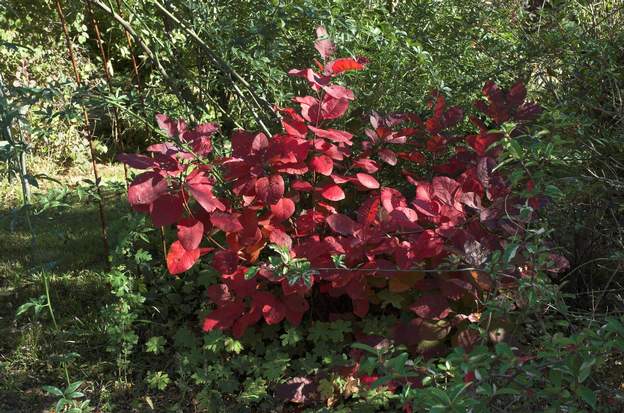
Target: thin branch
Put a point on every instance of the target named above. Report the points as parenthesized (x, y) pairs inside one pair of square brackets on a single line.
[(230, 73)]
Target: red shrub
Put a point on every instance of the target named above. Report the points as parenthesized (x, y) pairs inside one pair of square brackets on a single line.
[(318, 197)]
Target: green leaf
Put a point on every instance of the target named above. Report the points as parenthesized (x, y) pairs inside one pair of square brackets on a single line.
[(251, 272), (53, 390), (587, 395), (155, 344), (585, 370), (73, 387), (365, 347)]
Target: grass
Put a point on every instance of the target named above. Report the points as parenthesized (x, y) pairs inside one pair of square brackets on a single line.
[(67, 250)]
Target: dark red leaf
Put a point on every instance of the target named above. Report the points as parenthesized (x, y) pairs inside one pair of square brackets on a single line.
[(342, 224), (225, 261), (223, 317), (220, 294), (137, 161), (225, 222), (166, 210), (431, 306)]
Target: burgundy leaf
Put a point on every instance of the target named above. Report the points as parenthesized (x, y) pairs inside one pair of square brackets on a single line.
[(225, 261), (223, 317), (431, 306), (225, 222), (166, 210), (342, 224), (137, 161), (146, 188)]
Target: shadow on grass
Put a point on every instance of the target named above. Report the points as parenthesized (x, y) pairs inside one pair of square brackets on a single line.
[(68, 250)]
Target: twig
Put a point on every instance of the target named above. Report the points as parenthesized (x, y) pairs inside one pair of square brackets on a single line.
[(96, 175)]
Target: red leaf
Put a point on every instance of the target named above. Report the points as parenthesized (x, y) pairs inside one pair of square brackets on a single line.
[(279, 237), (332, 192), (146, 188), (303, 186), (367, 213), (311, 109), (137, 161), (445, 189), (388, 156), (271, 189), (225, 261), (190, 233), (335, 67), (220, 294), (367, 180), (332, 108), (223, 317), (339, 92), (283, 209), (296, 306), (334, 135), (342, 224), (225, 222), (367, 164), (273, 310), (200, 186), (322, 164), (294, 128), (171, 127), (166, 210), (431, 306), (179, 259), (324, 46), (391, 199)]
